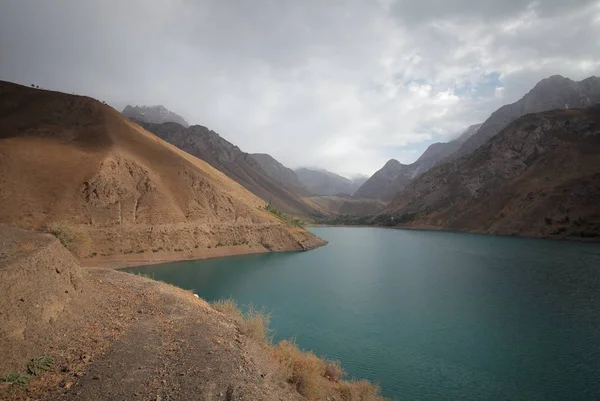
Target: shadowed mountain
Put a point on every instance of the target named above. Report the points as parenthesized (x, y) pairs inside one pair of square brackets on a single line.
[(153, 114), (209, 146), (555, 92), (540, 176), (394, 176), (280, 173), (323, 182), (84, 170)]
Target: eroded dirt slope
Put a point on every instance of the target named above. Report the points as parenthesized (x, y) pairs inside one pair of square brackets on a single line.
[(128, 196)]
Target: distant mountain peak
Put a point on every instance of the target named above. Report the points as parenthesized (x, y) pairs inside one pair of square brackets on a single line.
[(157, 114)]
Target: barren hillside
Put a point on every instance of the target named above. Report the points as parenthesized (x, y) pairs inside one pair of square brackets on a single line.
[(124, 195)]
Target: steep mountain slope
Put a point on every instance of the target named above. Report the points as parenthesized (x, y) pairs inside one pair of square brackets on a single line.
[(153, 114), (387, 182), (323, 182), (379, 185), (71, 160), (555, 92), (440, 151), (540, 176), (280, 173), (209, 146)]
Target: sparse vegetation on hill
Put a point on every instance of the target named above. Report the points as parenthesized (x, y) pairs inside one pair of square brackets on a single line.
[(282, 216)]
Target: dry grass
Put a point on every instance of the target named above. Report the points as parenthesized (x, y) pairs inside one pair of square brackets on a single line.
[(359, 390), (254, 323), (75, 241), (315, 378)]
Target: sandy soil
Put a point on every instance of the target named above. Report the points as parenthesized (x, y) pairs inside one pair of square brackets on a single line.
[(114, 335)]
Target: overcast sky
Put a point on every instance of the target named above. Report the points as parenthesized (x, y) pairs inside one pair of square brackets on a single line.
[(342, 85)]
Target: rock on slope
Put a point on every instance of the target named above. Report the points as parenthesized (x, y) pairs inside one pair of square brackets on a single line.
[(555, 92), (387, 182), (540, 176), (280, 173), (71, 160), (209, 146), (323, 182), (153, 114)]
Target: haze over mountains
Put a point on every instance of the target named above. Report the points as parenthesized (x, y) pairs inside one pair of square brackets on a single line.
[(209, 146), (153, 114), (311, 192)]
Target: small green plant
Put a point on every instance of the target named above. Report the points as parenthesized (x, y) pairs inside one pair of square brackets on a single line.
[(282, 216), (16, 378), (40, 365), (71, 239)]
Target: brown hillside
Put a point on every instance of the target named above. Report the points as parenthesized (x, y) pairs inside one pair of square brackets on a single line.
[(241, 167), (540, 176), (135, 198)]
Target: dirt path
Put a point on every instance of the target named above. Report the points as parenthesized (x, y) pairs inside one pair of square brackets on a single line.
[(153, 341)]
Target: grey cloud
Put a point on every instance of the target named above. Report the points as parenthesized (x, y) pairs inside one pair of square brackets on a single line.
[(340, 84)]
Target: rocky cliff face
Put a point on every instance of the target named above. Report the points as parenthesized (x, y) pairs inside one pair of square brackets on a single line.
[(280, 173), (209, 146), (540, 176), (323, 182), (555, 92), (153, 114)]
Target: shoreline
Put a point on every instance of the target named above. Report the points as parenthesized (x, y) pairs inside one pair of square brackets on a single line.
[(149, 258), (591, 240)]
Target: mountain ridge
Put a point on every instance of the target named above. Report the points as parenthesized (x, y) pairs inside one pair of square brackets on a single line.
[(540, 176)]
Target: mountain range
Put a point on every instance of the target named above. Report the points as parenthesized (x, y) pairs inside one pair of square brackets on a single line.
[(555, 92), (242, 167), (540, 176), (436, 190)]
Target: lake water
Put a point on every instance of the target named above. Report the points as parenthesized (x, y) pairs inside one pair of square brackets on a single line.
[(429, 315)]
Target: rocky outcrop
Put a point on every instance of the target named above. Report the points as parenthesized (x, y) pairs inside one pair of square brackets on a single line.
[(537, 177), (153, 114)]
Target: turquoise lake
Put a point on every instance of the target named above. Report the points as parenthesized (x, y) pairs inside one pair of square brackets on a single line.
[(428, 315)]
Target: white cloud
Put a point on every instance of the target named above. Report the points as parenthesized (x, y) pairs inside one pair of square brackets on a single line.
[(343, 85)]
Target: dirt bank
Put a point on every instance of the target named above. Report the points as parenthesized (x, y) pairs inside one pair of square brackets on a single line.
[(113, 335)]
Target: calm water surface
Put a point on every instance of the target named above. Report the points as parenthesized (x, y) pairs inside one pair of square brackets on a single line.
[(430, 316)]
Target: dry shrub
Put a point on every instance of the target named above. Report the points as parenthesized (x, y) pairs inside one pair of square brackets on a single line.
[(228, 307), (75, 241), (315, 378), (359, 390), (254, 323), (305, 370)]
